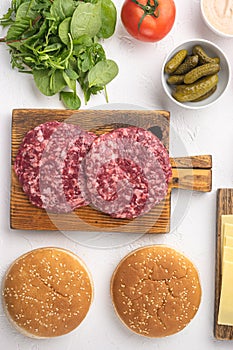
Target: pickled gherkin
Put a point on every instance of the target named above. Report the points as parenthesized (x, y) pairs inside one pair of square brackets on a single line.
[(189, 63), (176, 79), (208, 94), (190, 92), (175, 61), (195, 77), (201, 71), (203, 57)]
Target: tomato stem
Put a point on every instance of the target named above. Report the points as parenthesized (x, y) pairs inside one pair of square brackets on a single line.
[(150, 9)]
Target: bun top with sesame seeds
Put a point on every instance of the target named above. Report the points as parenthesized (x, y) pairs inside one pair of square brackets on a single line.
[(156, 291), (47, 292)]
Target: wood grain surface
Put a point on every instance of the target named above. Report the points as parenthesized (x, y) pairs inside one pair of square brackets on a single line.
[(195, 162), (224, 207), (192, 173), (25, 216), (192, 179)]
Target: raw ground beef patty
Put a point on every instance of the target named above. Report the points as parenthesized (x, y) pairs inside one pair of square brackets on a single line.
[(49, 166), (127, 172)]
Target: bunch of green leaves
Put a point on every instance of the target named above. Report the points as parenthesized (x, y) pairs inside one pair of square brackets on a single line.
[(59, 43)]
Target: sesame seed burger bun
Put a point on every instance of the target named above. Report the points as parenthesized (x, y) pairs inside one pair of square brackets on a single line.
[(47, 292), (155, 291)]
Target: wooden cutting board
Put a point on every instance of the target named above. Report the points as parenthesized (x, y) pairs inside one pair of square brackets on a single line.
[(224, 207), (192, 173)]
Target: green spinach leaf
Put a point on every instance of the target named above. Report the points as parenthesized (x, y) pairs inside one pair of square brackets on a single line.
[(70, 100), (7, 19), (16, 4), (64, 30), (89, 56), (108, 16), (57, 82), (42, 81), (86, 20), (102, 73), (17, 29), (61, 9), (57, 42), (48, 82), (71, 73), (71, 83), (26, 10)]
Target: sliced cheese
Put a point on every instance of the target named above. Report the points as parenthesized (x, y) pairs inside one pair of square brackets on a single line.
[(225, 219), (225, 315), (228, 241), (227, 256), (228, 229)]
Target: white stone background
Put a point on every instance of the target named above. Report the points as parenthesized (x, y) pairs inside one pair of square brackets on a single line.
[(207, 131)]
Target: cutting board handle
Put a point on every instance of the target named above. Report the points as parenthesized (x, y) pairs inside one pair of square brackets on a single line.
[(192, 173)]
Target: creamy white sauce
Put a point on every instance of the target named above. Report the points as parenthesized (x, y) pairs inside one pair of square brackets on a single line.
[(220, 14)]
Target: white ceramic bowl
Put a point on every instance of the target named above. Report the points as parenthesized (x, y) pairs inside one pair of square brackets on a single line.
[(210, 23), (224, 74)]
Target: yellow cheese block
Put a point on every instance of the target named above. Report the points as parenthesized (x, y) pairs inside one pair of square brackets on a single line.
[(225, 219), (225, 315), (226, 231), (227, 255), (228, 242)]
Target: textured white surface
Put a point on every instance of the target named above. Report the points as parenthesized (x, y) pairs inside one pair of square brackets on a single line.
[(193, 225)]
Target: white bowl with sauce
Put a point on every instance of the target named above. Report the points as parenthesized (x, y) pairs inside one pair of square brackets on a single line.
[(224, 74), (218, 16)]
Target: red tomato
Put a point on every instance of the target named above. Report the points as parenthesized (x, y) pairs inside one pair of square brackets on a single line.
[(148, 20)]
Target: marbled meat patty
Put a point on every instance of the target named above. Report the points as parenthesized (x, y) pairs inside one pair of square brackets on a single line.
[(49, 165), (127, 172)]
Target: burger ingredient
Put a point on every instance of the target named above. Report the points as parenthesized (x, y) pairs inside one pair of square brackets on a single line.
[(175, 79), (225, 312), (219, 14), (127, 172), (199, 72), (203, 57), (175, 61), (57, 42), (156, 291), (190, 92), (208, 94), (148, 20), (47, 292), (188, 78), (49, 166), (189, 63)]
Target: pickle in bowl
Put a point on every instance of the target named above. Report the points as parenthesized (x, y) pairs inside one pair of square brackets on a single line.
[(195, 74)]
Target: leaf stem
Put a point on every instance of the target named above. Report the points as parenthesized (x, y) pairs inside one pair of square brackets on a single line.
[(106, 94), (70, 51), (2, 40)]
